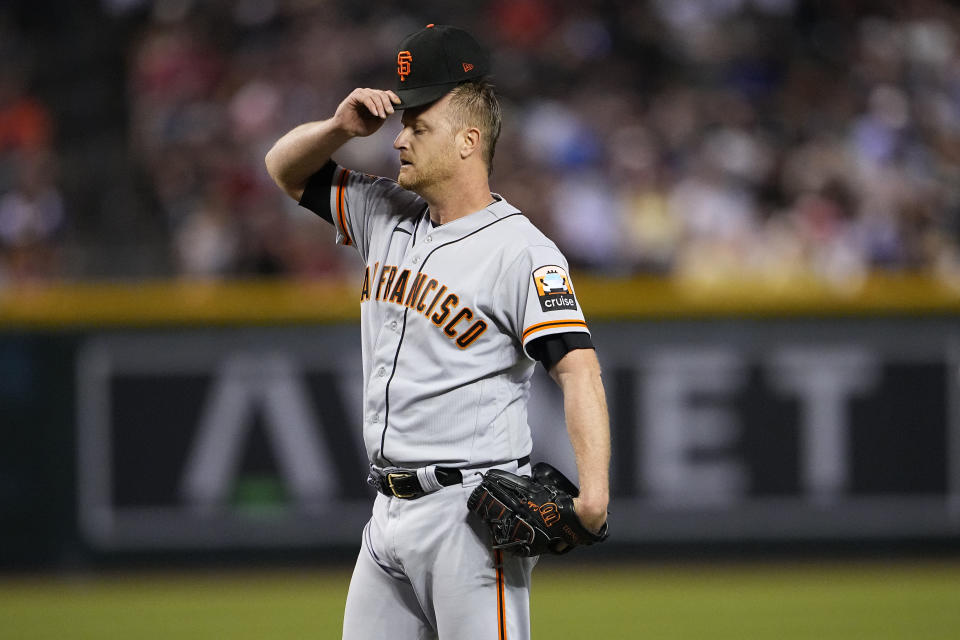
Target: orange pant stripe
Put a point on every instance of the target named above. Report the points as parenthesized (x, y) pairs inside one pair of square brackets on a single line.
[(501, 614)]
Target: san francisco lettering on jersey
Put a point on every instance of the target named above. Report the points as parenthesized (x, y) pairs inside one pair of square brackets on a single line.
[(426, 296)]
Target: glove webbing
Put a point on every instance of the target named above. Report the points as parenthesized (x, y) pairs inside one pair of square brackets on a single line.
[(492, 511)]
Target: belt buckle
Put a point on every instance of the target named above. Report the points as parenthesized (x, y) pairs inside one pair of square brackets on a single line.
[(393, 489)]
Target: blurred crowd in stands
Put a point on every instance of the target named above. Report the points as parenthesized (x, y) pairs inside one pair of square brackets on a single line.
[(31, 206), (706, 139)]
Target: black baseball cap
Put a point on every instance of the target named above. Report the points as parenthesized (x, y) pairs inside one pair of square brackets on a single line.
[(433, 61)]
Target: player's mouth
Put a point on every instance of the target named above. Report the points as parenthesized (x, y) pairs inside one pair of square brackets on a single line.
[(405, 163)]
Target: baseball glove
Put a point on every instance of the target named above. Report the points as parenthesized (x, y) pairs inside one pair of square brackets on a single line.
[(531, 515)]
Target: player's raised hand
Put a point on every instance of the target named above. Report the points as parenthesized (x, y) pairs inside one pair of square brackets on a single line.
[(364, 111)]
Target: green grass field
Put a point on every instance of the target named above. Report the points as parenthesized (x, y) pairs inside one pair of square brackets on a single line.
[(872, 601)]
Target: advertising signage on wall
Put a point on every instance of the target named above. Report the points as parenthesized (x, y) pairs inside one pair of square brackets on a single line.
[(772, 430)]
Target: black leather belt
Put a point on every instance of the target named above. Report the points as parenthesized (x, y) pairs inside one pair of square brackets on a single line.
[(404, 483)]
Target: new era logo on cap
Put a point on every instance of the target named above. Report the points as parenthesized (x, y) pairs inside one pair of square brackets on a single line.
[(433, 61)]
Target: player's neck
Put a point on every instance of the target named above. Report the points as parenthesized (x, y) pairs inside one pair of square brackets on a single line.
[(457, 201)]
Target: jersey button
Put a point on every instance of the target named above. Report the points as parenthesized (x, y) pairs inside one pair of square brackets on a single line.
[(393, 325), (416, 260), (381, 372), (429, 238)]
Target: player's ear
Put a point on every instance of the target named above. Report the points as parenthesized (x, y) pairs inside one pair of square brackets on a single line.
[(469, 142)]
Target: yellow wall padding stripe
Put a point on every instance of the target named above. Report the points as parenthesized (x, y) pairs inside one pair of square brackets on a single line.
[(259, 302), (660, 298), (157, 303)]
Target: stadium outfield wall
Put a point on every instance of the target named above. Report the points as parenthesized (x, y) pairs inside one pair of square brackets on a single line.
[(184, 416)]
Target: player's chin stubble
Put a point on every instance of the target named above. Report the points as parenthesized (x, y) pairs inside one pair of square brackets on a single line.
[(427, 172), (419, 178), (405, 180)]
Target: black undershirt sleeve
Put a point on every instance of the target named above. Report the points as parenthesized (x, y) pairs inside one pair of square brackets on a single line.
[(549, 350), (316, 195)]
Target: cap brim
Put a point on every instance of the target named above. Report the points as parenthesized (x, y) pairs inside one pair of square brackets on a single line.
[(420, 96)]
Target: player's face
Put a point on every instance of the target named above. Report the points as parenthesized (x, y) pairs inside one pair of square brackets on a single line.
[(426, 145)]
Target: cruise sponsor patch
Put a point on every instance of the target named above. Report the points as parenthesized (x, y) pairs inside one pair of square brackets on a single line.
[(554, 288)]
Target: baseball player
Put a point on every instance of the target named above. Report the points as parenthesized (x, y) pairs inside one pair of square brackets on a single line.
[(460, 297)]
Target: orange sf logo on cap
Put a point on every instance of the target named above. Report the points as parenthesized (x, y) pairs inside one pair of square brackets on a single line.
[(403, 64)]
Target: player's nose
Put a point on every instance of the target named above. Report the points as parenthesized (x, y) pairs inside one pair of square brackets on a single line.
[(400, 142)]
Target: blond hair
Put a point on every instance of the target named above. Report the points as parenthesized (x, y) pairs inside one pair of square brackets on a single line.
[(474, 104)]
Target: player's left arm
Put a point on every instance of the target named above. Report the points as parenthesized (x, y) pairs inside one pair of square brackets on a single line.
[(588, 425)]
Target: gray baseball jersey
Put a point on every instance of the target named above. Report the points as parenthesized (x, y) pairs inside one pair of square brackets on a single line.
[(446, 315)]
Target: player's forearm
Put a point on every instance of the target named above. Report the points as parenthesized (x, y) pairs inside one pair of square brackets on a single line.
[(302, 152), (588, 426), (589, 430)]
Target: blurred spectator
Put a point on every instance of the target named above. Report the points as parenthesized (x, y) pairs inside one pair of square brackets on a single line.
[(31, 217), (24, 122), (31, 207), (207, 241)]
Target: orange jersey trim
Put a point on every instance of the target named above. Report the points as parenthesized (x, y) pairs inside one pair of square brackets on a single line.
[(340, 212), (551, 325)]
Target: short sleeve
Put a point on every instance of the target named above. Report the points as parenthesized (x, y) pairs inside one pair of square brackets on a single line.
[(545, 300), (352, 201)]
